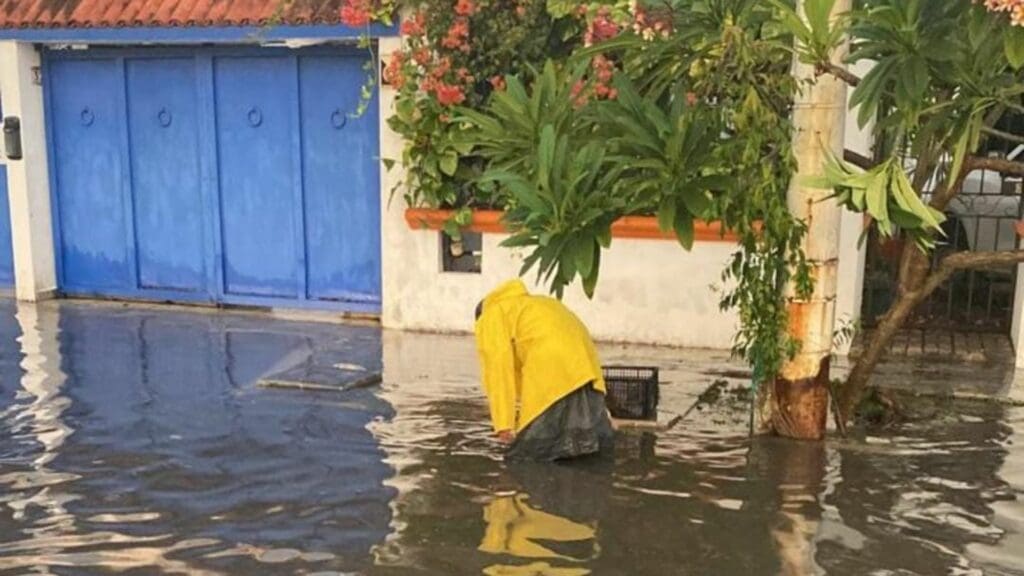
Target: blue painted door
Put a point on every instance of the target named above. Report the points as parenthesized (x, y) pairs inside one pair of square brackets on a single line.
[(167, 200), (226, 175), (6, 251), (88, 124), (255, 131), (342, 222)]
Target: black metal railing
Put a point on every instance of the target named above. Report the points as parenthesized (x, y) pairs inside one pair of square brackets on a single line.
[(980, 218)]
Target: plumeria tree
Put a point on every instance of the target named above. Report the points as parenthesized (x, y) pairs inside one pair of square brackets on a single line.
[(570, 115), (946, 77)]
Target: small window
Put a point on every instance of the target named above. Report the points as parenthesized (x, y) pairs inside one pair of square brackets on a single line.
[(462, 255)]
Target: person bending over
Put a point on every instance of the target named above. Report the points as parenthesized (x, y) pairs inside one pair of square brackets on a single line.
[(542, 376)]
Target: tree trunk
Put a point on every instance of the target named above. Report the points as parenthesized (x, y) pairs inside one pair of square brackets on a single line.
[(909, 293), (915, 284), (795, 405)]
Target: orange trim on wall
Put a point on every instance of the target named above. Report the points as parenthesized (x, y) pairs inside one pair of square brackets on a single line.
[(484, 221), (637, 227)]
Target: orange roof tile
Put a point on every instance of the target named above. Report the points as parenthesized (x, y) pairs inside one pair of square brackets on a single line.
[(163, 13)]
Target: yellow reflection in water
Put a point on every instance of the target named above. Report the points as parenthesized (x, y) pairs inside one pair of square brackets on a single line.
[(516, 529)]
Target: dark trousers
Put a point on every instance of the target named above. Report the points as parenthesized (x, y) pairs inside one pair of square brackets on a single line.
[(577, 425)]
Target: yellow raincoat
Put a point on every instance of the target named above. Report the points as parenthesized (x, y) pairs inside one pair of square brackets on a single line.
[(533, 352)]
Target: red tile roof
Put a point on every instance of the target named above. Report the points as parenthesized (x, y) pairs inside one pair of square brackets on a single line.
[(164, 13)]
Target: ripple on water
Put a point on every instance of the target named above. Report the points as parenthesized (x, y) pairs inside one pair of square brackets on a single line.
[(135, 441)]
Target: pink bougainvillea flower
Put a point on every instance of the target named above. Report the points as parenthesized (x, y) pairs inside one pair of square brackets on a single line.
[(601, 28), (579, 94), (422, 56), (356, 13), (465, 7), (457, 36), (443, 66), (393, 72), (650, 26), (464, 76), (415, 26), (449, 94)]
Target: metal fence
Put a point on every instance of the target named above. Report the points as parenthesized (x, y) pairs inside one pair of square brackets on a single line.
[(981, 218)]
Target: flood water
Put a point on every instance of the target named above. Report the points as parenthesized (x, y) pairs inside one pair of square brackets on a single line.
[(136, 441)]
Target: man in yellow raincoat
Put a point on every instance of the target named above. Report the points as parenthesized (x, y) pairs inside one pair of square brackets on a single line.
[(542, 376)]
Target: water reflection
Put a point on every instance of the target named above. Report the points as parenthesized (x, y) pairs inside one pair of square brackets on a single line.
[(135, 441), (554, 515), (514, 528), (702, 499), (797, 471)]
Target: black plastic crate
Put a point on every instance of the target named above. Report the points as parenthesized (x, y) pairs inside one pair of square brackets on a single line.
[(632, 392)]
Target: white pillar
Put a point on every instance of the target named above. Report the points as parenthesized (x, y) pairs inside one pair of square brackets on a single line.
[(394, 251), (28, 179), (1017, 326), (852, 254)]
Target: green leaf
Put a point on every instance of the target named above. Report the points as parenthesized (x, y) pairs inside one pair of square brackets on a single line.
[(904, 219), (868, 93), (590, 280), (561, 8), (449, 163), (791, 22), (817, 12), (519, 241), (451, 228), (876, 198), (684, 229), (965, 143), (545, 153), (696, 201), (914, 78), (667, 214), (978, 27), (1013, 45), (530, 261), (583, 249), (858, 198)]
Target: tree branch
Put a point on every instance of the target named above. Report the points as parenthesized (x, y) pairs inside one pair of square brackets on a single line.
[(858, 160), (839, 72), (1009, 137), (946, 193), (967, 260), (1000, 165)]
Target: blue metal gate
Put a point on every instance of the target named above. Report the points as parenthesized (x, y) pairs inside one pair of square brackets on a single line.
[(219, 175), (6, 252)]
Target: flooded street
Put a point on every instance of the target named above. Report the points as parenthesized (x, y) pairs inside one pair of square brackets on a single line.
[(136, 441)]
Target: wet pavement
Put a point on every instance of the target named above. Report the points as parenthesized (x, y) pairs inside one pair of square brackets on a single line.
[(139, 441)]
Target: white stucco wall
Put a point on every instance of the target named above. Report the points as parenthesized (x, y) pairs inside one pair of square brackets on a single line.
[(852, 253), (28, 179), (650, 291)]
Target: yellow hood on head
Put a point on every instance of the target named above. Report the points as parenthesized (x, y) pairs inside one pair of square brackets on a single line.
[(509, 289)]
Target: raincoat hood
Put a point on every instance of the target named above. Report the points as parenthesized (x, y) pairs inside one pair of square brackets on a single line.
[(509, 289)]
